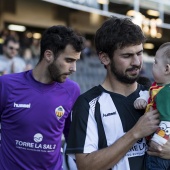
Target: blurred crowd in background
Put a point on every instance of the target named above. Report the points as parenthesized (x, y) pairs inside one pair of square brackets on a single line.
[(20, 53), (27, 50)]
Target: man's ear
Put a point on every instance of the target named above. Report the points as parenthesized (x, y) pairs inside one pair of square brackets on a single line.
[(48, 56), (104, 58), (167, 69)]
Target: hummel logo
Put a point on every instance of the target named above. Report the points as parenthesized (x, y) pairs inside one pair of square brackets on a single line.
[(22, 105), (108, 114)]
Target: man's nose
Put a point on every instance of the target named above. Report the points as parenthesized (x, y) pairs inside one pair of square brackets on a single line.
[(73, 67), (136, 60)]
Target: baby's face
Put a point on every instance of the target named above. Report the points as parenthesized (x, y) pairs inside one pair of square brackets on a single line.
[(159, 68)]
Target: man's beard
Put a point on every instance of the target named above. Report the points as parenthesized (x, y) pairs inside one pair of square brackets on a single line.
[(123, 77), (55, 74)]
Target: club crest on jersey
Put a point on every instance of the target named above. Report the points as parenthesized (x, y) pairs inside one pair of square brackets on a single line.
[(59, 111)]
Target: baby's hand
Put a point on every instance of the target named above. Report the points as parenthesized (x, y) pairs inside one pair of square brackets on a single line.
[(140, 104)]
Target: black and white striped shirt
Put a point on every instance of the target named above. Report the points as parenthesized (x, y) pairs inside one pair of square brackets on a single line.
[(98, 110)]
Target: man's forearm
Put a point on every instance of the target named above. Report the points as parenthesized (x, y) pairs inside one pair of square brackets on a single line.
[(107, 157), (110, 156)]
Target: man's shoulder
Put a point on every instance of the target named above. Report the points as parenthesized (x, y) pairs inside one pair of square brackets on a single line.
[(5, 80), (3, 58), (15, 77), (91, 94), (3, 63), (71, 88), (20, 62), (18, 59), (70, 85), (87, 99)]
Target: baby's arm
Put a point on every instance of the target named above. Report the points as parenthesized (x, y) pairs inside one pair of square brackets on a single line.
[(141, 102), (161, 135)]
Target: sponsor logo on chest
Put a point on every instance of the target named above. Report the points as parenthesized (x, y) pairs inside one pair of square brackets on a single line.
[(108, 114), (36, 145), (22, 105)]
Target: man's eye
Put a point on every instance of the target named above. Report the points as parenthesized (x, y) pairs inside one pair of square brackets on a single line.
[(69, 60), (139, 54), (126, 56)]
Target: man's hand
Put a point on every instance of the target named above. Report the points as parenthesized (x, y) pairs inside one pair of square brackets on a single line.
[(160, 151), (146, 125)]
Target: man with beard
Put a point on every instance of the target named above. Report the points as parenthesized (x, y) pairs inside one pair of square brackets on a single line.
[(35, 105), (107, 132)]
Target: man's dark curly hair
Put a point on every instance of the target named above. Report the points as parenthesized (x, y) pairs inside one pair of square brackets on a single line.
[(117, 33), (56, 38)]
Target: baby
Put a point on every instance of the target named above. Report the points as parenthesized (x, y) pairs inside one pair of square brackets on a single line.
[(158, 98)]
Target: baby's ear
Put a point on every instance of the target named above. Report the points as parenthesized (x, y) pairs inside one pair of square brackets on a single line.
[(167, 69)]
